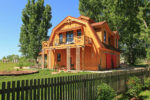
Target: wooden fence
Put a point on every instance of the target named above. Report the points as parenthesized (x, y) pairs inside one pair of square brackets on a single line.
[(78, 87)]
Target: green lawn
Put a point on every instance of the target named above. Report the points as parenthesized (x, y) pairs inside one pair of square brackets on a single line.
[(7, 66), (145, 95), (45, 73)]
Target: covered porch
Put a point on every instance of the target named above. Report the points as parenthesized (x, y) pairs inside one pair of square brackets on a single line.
[(69, 57)]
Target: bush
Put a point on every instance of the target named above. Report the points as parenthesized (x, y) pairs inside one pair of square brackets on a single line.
[(134, 87), (146, 83), (105, 92), (24, 62)]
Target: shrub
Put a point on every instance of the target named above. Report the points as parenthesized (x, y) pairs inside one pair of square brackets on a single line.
[(134, 87), (146, 83), (105, 92)]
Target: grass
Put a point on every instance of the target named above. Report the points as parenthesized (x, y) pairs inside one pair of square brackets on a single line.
[(45, 73), (145, 95), (7, 66)]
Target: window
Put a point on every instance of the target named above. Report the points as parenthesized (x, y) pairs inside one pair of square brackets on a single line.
[(58, 57), (116, 43), (60, 38), (69, 37), (109, 40), (104, 36), (79, 33)]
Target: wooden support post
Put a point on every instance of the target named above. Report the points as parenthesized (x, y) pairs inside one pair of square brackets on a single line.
[(43, 59), (49, 59), (78, 58), (83, 58), (68, 58)]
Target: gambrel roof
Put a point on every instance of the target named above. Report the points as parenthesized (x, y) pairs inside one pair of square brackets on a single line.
[(89, 23)]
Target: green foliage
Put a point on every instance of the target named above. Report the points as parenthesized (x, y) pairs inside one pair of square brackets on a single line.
[(119, 15), (24, 62), (105, 92), (146, 83), (36, 22), (134, 86), (144, 17)]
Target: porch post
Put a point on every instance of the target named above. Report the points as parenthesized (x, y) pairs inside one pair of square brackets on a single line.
[(43, 60), (83, 58), (49, 59), (68, 58), (78, 58)]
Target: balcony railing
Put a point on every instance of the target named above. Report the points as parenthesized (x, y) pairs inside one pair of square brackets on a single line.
[(78, 40)]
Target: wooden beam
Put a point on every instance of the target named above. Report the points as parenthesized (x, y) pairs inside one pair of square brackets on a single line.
[(78, 58), (68, 58), (49, 59), (83, 58), (43, 59)]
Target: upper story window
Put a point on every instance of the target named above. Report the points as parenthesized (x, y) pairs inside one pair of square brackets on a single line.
[(58, 57), (116, 43), (79, 33), (60, 38), (69, 37), (104, 36), (109, 40)]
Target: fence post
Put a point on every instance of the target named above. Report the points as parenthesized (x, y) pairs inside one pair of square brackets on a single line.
[(38, 90), (42, 84), (8, 88), (34, 90), (22, 90), (45, 85), (3, 90), (13, 91), (18, 90), (48, 88), (27, 93), (52, 89)]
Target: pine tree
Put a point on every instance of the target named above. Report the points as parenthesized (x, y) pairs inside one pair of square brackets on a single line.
[(36, 22)]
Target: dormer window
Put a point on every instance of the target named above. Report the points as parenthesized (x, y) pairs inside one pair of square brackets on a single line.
[(60, 38), (104, 36), (79, 33), (69, 37)]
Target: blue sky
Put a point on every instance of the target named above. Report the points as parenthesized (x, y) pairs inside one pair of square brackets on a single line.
[(10, 20)]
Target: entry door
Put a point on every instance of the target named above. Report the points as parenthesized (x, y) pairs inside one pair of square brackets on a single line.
[(115, 61), (108, 61)]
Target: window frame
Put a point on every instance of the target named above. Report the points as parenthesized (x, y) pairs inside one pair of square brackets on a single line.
[(61, 39), (79, 32), (105, 36), (116, 42), (58, 57), (69, 36)]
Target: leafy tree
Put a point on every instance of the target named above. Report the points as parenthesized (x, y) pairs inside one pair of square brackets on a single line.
[(36, 22), (12, 57), (121, 16), (144, 17)]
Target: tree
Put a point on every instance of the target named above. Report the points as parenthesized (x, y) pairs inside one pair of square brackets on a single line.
[(121, 16), (36, 22), (144, 17)]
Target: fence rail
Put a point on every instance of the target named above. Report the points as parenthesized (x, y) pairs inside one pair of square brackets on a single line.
[(78, 87)]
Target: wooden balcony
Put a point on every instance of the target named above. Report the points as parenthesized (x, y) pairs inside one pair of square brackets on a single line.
[(76, 41), (72, 42)]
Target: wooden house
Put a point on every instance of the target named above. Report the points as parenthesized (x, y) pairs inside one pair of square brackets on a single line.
[(81, 44)]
